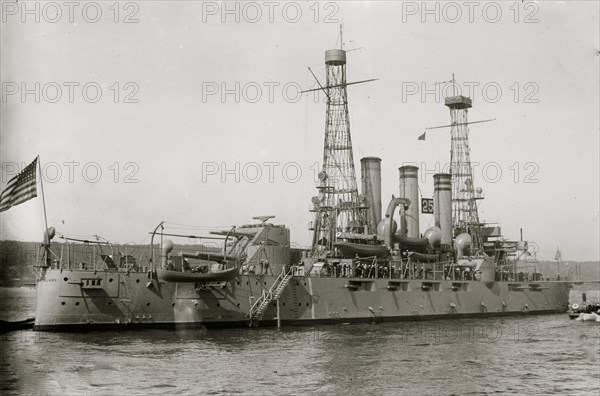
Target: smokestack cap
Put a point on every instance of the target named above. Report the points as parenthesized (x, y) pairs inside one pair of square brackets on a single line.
[(408, 171), (442, 181), (368, 159)]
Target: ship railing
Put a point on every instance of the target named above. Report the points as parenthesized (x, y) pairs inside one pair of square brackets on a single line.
[(509, 272), (441, 270), (503, 276), (399, 268), (453, 271)]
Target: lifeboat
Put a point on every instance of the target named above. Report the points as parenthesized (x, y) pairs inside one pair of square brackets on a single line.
[(578, 309), (6, 326), (423, 258), (350, 250), (591, 317)]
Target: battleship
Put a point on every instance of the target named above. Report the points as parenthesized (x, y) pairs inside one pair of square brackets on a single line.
[(363, 265)]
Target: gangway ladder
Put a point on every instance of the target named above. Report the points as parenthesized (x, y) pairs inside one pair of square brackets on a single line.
[(274, 293)]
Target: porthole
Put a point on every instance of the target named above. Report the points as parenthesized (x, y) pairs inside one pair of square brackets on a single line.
[(137, 281), (265, 283), (147, 304), (307, 304), (218, 305), (173, 304), (77, 303), (238, 283), (299, 304), (238, 304), (62, 303), (110, 280), (66, 279)]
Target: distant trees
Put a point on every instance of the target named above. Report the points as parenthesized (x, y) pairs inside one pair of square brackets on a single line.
[(16, 260)]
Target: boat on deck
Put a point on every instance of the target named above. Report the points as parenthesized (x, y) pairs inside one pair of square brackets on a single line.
[(351, 250)]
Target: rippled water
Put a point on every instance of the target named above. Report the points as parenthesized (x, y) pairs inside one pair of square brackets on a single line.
[(520, 355)]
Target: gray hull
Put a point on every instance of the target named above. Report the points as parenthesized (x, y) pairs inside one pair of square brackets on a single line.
[(69, 300)]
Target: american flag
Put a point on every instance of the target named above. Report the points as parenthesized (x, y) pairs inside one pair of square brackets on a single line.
[(20, 188)]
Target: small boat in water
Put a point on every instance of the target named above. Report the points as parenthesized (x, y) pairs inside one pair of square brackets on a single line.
[(591, 317), (6, 326), (578, 309)]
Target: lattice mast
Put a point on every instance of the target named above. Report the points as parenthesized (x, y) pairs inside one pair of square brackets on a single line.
[(337, 206), (465, 217)]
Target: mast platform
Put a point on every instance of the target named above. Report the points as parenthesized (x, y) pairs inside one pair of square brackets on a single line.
[(458, 102)]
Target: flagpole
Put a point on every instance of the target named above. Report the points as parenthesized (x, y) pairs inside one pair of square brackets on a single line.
[(43, 198)]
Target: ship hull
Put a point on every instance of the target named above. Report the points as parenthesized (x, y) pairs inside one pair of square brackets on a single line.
[(65, 302)]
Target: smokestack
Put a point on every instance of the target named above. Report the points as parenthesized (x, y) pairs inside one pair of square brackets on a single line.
[(370, 170), (442, 205), (409, 189)]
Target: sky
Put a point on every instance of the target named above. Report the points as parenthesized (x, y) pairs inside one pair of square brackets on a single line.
[(189, 111)]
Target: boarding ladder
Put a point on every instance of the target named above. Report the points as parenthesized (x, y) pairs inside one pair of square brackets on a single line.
[(261, 304)]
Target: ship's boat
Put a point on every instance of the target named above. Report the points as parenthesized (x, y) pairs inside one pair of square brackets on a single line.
[(7, 326), (178, 276), (576, 310), (351, 250), (423, 258), (591, 317)]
